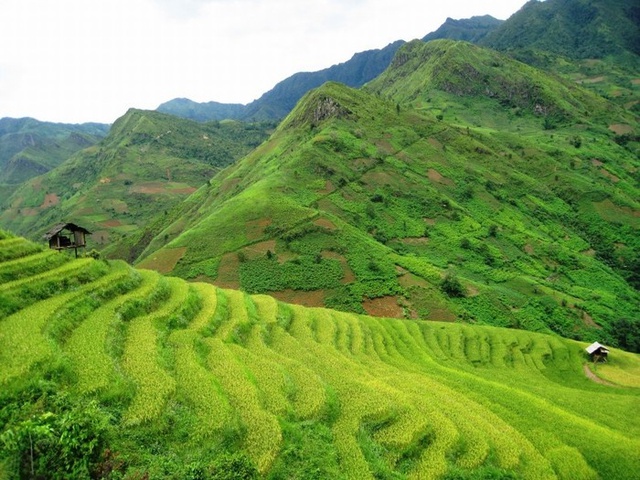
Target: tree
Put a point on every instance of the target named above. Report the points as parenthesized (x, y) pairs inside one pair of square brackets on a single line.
[(452, 286)]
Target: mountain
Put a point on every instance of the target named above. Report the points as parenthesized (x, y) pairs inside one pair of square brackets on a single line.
[(110, 372), (392, 200), (147, 163), (472, 29), (202, 112), (576, 29), (278, 102), (29, 147)]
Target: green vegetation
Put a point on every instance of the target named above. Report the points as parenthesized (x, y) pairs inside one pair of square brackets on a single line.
[(490, 168), (147, 163), (130, 375)]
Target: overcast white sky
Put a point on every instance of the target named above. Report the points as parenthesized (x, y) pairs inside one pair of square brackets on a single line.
[(90, 60)]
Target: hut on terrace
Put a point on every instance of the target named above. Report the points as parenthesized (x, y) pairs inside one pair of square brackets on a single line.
[(597, 352), (67, 235)]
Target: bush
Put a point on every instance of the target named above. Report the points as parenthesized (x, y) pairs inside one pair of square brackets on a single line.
[(452, 286)]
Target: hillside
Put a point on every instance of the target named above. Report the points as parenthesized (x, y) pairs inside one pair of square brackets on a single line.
[(280, 100), (398, 207), (147, 163), (29, 148), (576, 29), (113, 372)]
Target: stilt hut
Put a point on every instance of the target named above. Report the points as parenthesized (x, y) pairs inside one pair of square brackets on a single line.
[(67, 235), (597, 352)]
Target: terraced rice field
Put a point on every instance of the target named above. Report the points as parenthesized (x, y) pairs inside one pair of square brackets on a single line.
[(395, 398)]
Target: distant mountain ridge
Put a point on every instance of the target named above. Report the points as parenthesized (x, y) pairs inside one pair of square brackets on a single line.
[(472, 29), (576, 29), (280, 100)]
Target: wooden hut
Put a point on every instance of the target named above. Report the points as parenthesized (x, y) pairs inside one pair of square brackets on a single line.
[(597, 352), (67, 235)]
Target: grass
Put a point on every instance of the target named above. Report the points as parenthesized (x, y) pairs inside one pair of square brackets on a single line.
[(202, 371)]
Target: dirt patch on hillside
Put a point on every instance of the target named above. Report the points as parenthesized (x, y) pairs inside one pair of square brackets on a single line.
[(598, 79), (165, 260), (383, 307), (111, 223), (325, 223), (429, 221), (620, 128), (155, 188), (228, 271), (435, 143), (50, 200), (596, 163), (592, 376), (348, 273), (528, 248), (255, 228), (328, 188), (307, 299), (588, 320), (636, 81), (609, 175), (437, 177), (260, 249), (408, 279)]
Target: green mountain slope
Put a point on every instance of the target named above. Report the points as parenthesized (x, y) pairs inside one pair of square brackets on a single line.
[(148, 162), (576, 29), (106, 371), (29, 148), (361, 203)]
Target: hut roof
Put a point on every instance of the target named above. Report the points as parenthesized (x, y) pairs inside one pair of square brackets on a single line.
[(72, 227), (595, 346)]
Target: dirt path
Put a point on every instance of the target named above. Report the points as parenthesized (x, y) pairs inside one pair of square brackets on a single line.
[(592, 376)]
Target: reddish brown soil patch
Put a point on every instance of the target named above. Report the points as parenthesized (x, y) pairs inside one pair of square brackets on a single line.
[(328, 187), (328, 206), (111, 223), (593, 377), (255, 228), (636, 81), (362, 163), (596, 163), (377, 178), (589, 253), (325, 223), (528, 248), (260, 249), (348, 273), (609, 175), (308, 299), (383, 307), (228, 276), (163, 261), (620, 128), (429, 221), (435, 143), (149, 188), (435, 176), (385, 146), (50, 199), (588, 320)]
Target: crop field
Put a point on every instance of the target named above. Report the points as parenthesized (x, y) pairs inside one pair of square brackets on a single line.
[(188, 375)]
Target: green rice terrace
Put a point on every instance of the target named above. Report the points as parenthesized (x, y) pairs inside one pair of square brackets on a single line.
[(111, 372)]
